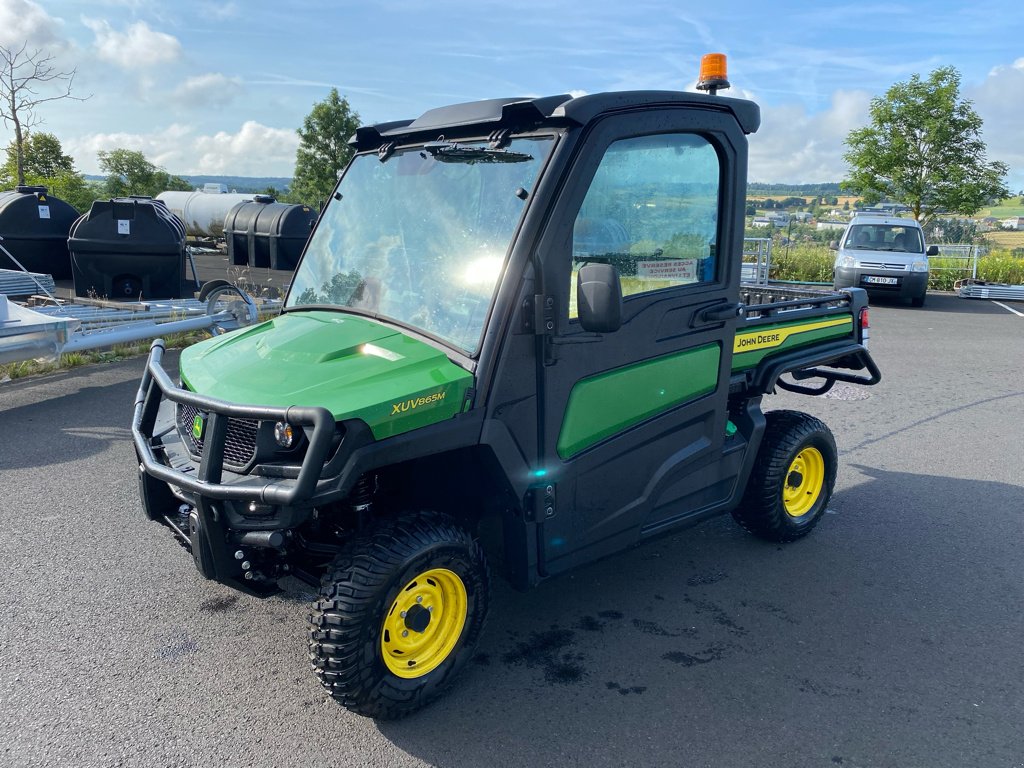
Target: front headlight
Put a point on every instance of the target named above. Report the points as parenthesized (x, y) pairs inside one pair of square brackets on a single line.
[(919, 266), (846, 261), (284, 434)]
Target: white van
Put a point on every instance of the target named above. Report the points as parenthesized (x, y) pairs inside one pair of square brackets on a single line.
[(885, 255)]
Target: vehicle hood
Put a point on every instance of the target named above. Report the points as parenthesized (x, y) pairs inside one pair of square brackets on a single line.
[(893, 257), (353, 366)]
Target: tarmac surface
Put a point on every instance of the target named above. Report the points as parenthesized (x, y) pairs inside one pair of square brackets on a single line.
[(892, 636)]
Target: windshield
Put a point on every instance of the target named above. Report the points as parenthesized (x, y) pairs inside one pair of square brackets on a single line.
[(422, 237), (884, 237)]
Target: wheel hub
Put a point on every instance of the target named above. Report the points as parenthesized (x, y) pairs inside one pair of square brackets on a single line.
[(804, 482), (417, 618), (424, 623)]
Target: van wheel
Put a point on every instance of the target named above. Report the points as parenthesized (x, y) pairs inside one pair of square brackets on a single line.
[(792, 479), (918, 301), (400, 612)]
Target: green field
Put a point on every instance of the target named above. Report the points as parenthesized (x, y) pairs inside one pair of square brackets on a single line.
[(1012, 206)]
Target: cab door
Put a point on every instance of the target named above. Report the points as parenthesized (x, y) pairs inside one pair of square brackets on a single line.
[(635, 420)]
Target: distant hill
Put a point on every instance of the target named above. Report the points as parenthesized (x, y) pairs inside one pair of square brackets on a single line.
[(234, 183), (826, 189)]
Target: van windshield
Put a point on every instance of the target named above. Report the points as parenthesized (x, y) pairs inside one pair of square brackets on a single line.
[(421, 238), (884, 237)]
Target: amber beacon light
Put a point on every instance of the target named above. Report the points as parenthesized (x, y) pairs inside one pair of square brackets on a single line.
[(713, 73)]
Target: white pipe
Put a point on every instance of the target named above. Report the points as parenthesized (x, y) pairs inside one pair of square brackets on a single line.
[(140, 331)]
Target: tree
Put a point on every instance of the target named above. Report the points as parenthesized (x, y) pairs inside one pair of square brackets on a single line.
[(44, 164), (42, 155), (21, 75), (923, 148), (323, 149), (130, 173)]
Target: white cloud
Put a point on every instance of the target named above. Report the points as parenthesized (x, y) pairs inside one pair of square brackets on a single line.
[(797, 147), (209, 90), (137, 47), (254, 150), (999, 100), (22, 21)]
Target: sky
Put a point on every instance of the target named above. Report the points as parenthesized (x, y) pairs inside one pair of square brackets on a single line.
[(220, 86)]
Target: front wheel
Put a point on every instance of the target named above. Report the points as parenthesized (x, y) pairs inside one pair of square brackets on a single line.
[(400, 612), (792, 479), (918, 301)]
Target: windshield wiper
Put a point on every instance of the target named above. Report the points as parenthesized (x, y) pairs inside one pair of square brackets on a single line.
[(449, 152)]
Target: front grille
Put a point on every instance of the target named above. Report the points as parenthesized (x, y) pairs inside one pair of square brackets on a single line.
[(239, 445), (882, 265)]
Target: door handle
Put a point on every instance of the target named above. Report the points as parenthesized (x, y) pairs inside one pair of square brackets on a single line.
[(721, 312)]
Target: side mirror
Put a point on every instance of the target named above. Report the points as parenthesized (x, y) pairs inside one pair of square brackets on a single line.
[(599, 298), (834, 245), (933, 250)]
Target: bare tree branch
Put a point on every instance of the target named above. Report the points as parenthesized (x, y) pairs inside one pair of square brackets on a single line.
[(20, 74)]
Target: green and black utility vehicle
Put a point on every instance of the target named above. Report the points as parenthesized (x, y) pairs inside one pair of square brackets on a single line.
[(518, 329)]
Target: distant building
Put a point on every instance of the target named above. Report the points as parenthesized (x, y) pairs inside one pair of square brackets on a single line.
[(821, 225), (1014, 222), (761, 221), (801, 216)]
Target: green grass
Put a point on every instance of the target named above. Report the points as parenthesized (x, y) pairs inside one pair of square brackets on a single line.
[(20, 370), (812, 263), (1011, 206)]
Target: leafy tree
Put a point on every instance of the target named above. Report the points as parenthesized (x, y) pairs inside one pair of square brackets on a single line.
[(923, 148), (41, 155), (130, 173), (22, 75), (45, 164), (323, 149)]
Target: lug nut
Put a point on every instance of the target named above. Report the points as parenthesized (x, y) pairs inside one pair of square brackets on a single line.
[(405, 633), (403, 614), (430, 608), (246, 565), (248, 575), (239, 555), (419, 598)]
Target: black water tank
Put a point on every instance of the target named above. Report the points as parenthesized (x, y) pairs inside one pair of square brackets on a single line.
[(267, 234), (127, 248), (34, 227)]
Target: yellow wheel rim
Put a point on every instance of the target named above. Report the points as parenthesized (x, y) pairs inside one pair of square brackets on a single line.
[(424, 623), (804, 480)]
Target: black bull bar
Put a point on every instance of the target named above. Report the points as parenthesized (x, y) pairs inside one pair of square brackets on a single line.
[(156, 385)]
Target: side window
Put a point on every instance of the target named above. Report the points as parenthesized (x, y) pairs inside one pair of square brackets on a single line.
[(652, 212)]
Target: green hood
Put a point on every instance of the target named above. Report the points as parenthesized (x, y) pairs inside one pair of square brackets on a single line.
[(350, 365)]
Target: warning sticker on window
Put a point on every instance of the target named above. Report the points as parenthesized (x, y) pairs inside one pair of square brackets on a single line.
[(44, 211), (124, 226), (678, 270)]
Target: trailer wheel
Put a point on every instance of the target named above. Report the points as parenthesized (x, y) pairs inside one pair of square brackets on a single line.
[(792, 479), (400, 612)]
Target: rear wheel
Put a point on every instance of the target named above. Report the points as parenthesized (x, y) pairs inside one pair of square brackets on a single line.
[(400, 612), (792, 479)]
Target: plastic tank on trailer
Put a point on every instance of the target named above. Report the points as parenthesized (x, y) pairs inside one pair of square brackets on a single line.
[(127, 248), (34, 226), (201, 212), (268, 234)]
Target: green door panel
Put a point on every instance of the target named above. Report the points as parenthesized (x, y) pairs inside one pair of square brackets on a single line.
[(605, 404)]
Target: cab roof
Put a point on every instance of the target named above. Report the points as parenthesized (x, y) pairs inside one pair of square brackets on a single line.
[(562, 110)]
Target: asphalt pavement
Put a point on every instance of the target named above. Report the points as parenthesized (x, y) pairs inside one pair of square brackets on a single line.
[(892, 636)]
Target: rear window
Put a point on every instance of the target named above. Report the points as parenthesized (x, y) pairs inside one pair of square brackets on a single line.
[(884, 237)]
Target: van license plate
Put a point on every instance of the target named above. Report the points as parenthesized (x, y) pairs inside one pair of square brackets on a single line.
[(880, 280)]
